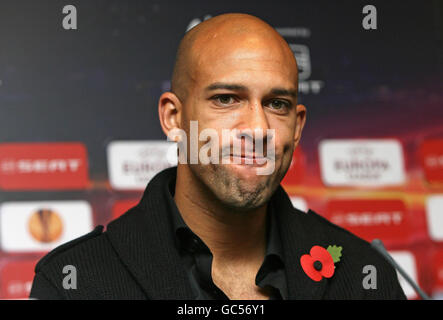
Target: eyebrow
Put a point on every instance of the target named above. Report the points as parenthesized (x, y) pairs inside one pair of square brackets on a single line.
[(238, 87), (227, 86), (284, 92)]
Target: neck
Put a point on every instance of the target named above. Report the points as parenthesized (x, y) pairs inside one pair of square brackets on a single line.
[(228, 233)]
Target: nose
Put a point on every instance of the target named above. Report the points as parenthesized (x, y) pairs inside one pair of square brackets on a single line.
[(255, 118), (254, 126)]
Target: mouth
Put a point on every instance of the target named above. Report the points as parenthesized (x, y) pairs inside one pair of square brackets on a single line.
[(248, 159)]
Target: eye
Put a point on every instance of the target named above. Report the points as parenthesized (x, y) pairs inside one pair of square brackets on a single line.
[(224, 99), (279, 104)]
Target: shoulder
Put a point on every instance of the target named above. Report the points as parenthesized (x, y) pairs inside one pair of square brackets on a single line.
[(92, 260), (354, 247), (334, 232), (70, 259), (358, 256), (89, 261), (84, 244), (93, 248)]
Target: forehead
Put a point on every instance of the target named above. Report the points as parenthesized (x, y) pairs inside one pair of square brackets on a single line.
[(245, 59)]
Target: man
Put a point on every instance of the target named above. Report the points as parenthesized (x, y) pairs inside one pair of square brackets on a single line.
[(222, 229)]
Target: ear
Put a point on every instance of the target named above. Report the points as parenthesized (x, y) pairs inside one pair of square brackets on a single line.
[(169, 112), (299, 123)]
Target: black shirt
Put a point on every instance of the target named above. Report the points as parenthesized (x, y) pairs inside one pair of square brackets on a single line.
[(197, 257)]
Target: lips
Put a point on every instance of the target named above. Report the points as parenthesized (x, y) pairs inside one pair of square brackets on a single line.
[(250, 159), (247, 156)]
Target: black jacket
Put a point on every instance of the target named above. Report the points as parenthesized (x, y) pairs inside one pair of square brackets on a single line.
[(135, 258)]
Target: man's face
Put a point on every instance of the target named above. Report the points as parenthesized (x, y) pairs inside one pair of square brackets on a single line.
[(242, 85)]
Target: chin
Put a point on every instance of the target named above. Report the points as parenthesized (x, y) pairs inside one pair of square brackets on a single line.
[(238, 186), (244, 192), (243, 203)]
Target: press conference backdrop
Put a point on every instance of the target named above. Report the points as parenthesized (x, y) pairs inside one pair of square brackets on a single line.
[(80, 136)]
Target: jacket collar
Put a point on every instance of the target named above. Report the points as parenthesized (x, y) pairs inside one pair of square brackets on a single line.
[(141, 237)]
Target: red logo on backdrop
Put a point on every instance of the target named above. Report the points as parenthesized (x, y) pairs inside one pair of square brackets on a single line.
[(437, 267), (16, 279), (121, 206), (297, 168), (431, 158), (25, 166), (387, 220)]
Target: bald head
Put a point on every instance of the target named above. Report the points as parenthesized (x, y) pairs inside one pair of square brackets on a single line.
[(220, 36)]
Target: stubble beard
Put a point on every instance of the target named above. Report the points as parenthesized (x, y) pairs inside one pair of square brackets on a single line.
[(233, 192)]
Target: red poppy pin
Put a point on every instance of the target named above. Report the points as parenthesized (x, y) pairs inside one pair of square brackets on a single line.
[(319, 262)]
